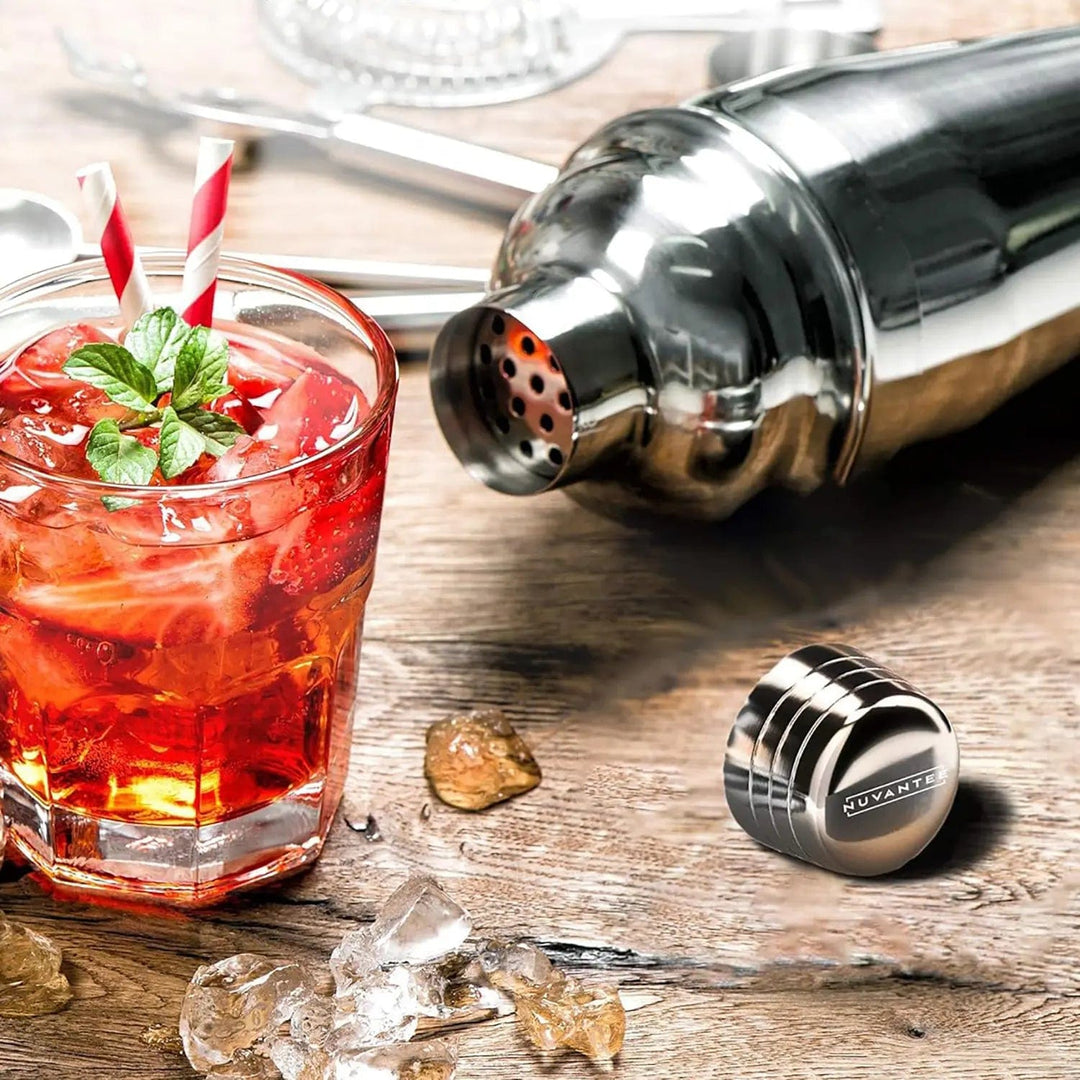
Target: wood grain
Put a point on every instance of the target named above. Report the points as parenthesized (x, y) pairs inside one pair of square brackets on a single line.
[(622, 653)]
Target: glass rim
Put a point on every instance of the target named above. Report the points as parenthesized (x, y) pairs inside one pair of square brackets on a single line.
[(242, 271)]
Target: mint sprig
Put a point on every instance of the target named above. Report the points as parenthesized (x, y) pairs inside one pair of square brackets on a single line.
[(161, 355)]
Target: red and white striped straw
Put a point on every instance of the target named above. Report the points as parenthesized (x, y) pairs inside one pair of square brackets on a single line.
[(212, 174), (108, 223)]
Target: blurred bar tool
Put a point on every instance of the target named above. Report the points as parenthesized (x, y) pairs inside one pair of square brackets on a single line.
[(785, 281), (444, 53), (837, 760)]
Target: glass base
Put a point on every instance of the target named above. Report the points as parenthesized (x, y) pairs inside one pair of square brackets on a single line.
[(187, 865)]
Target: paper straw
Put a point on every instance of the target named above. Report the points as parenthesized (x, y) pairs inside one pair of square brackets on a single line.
[(212, 174), (108, 223)]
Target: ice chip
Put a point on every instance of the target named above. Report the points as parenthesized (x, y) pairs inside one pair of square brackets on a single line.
[(433, 1060), (514, 966), (476, 760), (297, 1060), (231, 1005), (382, 1007), (312, 1020), (419, 922), (246, 1065), (302, 1054), (31, 983), (459, 992), (354, 957), (564, 1012)]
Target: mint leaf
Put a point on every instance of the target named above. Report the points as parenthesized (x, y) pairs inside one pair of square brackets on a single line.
[(181, 445), (113, 369), (155, 341), (201, 365), (117, 502), (218, 432), (118, 458), (215, 365)]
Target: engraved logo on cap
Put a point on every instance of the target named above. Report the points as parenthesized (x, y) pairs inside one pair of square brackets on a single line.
[(895, 790)]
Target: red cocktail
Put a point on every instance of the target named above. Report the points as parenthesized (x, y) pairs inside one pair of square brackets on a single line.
[(178, 659)]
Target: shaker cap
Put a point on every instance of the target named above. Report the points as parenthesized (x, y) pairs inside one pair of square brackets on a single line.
[(837, 760)]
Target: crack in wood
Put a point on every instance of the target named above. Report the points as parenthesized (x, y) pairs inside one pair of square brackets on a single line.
[(777, 975)]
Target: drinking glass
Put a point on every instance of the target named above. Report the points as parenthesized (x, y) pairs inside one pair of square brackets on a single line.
[(179, 664)]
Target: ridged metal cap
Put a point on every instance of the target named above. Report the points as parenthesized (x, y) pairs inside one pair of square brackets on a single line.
[(837, 760)]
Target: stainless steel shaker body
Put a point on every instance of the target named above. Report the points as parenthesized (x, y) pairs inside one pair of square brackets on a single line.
[(781, 281)]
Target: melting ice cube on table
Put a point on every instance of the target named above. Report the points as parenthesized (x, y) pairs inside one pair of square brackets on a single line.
[(233, 1004), (564, 1012), (251, 1018), (31, 982), (515, 966), (477, 760), (383, 1006), (419, 922)]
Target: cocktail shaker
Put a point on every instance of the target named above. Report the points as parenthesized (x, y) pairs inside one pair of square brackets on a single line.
[(781, 282)]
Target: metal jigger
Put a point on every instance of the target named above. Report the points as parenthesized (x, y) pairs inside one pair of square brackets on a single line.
[(780, 283), (836, 760)]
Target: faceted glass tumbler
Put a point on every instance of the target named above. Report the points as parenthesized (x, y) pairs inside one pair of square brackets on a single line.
[(179, 664)]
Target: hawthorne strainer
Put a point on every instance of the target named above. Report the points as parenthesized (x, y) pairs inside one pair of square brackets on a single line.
[(434, 53)]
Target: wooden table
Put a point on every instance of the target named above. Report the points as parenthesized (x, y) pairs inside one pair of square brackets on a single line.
[(623, 655)]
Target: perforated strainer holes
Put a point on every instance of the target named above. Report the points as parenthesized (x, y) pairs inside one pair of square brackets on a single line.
[(521, 391)]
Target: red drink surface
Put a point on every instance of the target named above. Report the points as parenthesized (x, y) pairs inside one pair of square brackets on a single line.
[(184, 662)]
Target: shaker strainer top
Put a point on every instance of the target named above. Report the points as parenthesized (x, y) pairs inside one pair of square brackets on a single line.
[(429, 54), (522, 394)]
